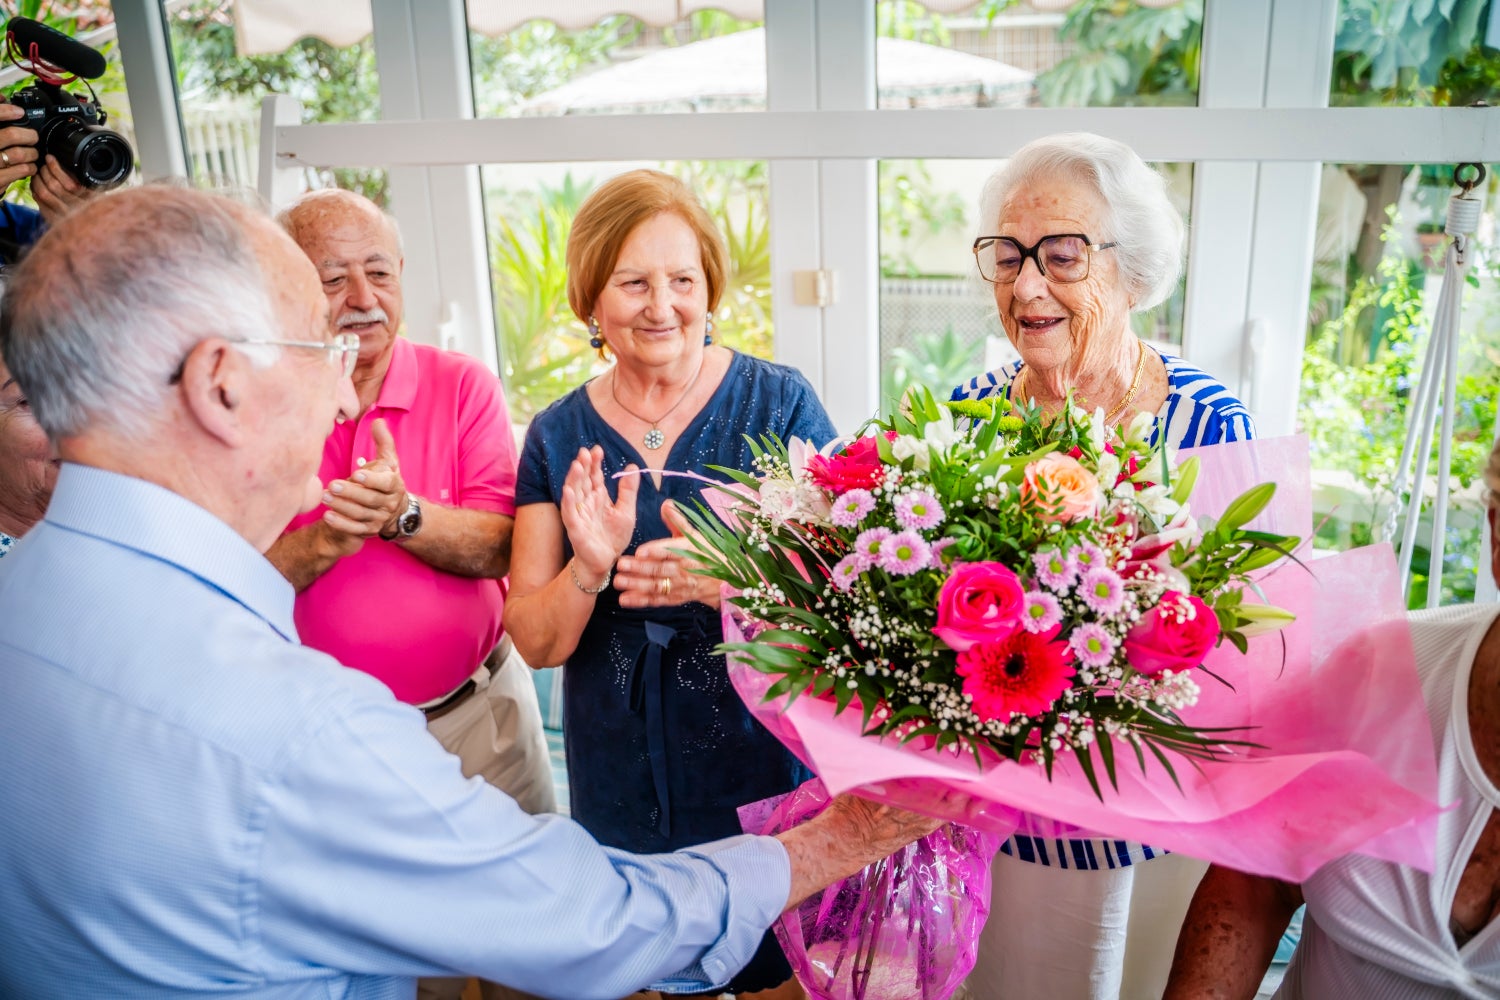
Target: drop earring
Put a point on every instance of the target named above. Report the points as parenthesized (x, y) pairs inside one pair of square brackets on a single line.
[(708, 329), (595, 341)]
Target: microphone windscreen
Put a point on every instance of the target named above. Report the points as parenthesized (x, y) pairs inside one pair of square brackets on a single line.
[(55, 47)]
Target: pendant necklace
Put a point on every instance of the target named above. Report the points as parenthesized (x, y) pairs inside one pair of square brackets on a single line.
[(654, 438)]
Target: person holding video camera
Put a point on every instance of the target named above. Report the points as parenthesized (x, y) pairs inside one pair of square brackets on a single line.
[(55, 192)]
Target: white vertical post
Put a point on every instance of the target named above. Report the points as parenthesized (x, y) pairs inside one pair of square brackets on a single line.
[(145, 55), (277, 184), (423, 60)]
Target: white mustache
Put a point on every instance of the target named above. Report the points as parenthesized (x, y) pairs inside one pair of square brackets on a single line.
[(353, 318)]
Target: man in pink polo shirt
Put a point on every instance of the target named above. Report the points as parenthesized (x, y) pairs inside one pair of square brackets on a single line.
[(399, 572)]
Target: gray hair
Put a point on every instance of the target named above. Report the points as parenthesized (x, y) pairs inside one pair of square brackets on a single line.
[(94, 332), (1139, 213)]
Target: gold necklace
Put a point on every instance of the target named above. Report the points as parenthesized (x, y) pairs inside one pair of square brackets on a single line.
[(654, 438), (1135, 384)]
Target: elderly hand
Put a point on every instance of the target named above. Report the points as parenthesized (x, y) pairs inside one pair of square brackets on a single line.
[(661, 573), (18, 152), (598, 528), (851, 834), (56, 191), (369, 501)]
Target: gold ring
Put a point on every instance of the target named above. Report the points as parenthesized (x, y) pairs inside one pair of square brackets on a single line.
[(664, 586)]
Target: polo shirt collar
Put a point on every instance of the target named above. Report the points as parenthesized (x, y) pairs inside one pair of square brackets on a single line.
[(399, 390), (156, 522)]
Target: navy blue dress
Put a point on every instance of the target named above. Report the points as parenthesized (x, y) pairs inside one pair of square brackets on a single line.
[(660, 749)]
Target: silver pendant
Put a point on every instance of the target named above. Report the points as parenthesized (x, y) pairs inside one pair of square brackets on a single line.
[(654, 439)]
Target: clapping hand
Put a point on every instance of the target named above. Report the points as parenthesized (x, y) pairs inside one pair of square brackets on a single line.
[(373, 497), (661, 572), (598, 528)]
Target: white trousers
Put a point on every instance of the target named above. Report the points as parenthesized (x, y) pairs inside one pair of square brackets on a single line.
[(1082, 935)]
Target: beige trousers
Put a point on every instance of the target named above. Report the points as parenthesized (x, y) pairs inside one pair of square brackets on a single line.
[(497, 733)]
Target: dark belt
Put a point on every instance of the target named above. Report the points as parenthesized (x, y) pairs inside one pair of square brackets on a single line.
[(646, 698), (451, 702)]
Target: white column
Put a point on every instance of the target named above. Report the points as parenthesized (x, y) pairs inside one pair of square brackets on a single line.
[(140, 26)]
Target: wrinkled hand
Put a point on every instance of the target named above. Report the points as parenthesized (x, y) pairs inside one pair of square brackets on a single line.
[(882, 829), (598, 528), (56, 191), (370, 500), (18, 146), (660, 573)]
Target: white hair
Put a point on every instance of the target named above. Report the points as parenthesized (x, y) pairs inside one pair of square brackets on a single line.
[(1139, 214), (95, 333), (286, 216)]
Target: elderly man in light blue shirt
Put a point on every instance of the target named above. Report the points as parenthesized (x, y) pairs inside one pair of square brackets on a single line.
[(191, 803)]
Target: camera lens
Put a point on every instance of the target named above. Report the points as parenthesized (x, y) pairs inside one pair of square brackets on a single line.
[(96, 156)]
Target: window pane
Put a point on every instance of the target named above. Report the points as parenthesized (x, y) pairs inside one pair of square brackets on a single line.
[(543, 348), (1376, 281), (1057, 53), (938, 323), (220, 90), (708, 61), (1424, 54)]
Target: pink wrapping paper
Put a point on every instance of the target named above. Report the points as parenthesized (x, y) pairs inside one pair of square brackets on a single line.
[(1347, 764)]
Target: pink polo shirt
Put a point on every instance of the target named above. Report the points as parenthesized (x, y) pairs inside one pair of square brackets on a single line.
[(382, 610)]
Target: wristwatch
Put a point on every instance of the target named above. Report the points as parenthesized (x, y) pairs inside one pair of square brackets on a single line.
[(408, 522)]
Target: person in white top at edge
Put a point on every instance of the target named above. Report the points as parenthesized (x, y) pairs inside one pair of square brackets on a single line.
[(1376, 930)]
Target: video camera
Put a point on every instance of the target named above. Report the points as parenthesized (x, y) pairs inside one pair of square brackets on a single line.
[(68, 126)]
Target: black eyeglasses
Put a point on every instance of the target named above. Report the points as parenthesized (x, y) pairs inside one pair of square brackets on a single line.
[(1063, 258), (343, 348)]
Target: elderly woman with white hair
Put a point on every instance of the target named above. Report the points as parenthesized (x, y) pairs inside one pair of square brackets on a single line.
[(1077, 233)]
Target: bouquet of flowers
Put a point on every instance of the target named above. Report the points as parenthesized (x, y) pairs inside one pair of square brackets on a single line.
[(982, 578)]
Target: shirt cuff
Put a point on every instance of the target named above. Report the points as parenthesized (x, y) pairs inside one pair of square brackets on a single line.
[(758, 878)]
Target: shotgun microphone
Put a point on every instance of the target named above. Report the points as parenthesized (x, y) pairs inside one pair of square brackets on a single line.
[(36, 40)]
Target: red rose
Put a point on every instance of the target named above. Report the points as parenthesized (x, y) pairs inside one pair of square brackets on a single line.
[(979, 602), (1175, 635), (858, 466)]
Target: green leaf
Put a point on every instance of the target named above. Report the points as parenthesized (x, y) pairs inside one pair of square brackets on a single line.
[(1245, 507), (1084, 762)]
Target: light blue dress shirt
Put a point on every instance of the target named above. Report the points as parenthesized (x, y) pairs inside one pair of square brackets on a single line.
[(194, 805)]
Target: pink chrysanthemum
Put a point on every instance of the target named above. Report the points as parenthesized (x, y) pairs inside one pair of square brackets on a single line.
[(1088, 556), (905, 553), (1102, 590), (1092, 644), (867, 545), (846, 571), (918, 510), (1054, 569), (937, 548), (851, 508), (1025, 673), (1042, 613)]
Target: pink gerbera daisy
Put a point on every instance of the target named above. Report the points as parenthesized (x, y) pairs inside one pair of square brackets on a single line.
[(1042, 613), (851, 508), (1103, 590), (904, 553), (1092, 644), (918, 510), (1023, 674)]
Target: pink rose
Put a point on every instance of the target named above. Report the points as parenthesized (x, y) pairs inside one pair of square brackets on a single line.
[(979, 602), (858, 466), (1061, 485), (1175, 635)]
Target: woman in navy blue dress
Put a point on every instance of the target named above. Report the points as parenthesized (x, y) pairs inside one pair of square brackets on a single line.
[(661, 751)]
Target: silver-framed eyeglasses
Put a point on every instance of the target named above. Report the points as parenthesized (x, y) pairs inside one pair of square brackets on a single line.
[(1062, 258), (343, 350)]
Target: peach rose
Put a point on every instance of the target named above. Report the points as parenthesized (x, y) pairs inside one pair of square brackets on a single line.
[(1061, 486)]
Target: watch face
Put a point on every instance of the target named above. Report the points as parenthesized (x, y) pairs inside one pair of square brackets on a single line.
[(409, 523)]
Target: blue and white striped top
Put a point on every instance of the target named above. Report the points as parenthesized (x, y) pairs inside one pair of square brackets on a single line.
[(1199, 410)]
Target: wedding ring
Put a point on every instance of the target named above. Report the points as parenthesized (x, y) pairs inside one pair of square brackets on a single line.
[(5, 157), (664, 586)]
